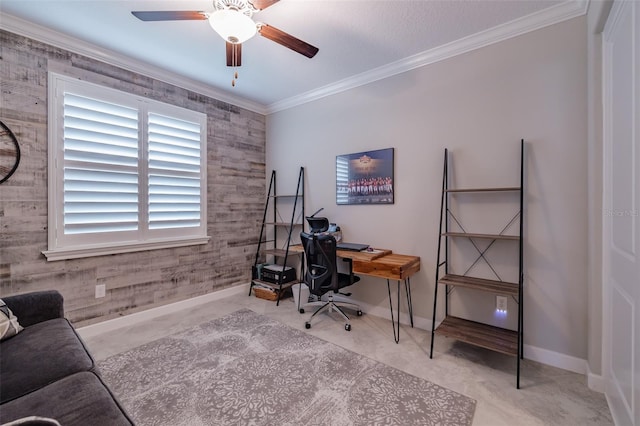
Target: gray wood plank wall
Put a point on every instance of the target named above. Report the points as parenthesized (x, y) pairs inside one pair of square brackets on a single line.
[(134, 281)]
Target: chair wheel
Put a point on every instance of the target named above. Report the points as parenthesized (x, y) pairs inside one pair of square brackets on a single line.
[(307, 325), (301, 310), (359, 313), (347, 327)]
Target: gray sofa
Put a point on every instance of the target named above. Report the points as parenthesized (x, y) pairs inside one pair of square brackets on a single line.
[(46, 370)]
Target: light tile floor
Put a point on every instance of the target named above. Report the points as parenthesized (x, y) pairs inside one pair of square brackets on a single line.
[(548, 395)]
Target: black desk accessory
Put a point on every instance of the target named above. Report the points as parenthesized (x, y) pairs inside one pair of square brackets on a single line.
[(352, 246)]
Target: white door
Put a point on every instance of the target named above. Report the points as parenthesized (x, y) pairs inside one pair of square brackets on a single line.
[(621, 225)]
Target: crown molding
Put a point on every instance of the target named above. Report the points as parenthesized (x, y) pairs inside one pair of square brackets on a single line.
[(28, 29), (532, 22), (553, 15)]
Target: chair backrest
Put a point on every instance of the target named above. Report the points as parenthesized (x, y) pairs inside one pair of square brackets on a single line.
[(317, 224), (321, 273)]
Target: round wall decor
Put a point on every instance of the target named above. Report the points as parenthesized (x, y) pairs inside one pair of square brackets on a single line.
[(9, 152)]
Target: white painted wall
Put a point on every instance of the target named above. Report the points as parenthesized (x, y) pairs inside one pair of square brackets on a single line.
[(479, 105)]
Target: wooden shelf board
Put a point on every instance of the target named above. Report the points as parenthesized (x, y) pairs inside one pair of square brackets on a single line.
[(287, 224), (492, 286), (486, 236), (280, 252), (296, 248), (275, 285), (478, 334), (506, 189)]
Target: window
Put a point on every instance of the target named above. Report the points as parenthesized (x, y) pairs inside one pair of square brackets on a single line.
[(342, 180), (125, 173)]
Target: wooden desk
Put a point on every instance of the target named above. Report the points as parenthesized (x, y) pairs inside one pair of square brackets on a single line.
[(382, 263), (391, 266)]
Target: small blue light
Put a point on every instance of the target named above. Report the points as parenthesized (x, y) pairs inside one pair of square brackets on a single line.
[(501, 312)]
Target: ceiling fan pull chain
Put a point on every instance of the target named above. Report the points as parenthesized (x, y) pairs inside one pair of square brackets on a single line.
[(234, 63)]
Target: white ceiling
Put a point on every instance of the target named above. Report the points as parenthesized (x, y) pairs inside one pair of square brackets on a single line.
[(359, 40)]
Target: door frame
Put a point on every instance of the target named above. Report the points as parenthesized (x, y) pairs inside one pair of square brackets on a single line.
[(624, 412)]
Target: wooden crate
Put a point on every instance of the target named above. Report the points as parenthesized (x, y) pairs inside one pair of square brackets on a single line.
[(271, 294)]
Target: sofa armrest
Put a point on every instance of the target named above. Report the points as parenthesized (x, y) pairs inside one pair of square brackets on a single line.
[(32, 308), (33, 421)]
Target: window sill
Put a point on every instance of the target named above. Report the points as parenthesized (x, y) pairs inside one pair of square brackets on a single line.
[(91, 251)]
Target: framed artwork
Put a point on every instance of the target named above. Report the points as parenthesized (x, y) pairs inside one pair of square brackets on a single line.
[(365, 177)]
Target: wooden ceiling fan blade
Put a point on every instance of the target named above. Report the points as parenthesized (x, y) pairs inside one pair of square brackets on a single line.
[(262, 4), (234, 54), (287, 40), (176, 15)]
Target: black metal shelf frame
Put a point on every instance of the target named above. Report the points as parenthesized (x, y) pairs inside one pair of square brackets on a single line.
[(456, 327), (269, 247)]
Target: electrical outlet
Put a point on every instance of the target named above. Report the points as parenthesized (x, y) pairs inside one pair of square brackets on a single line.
[(101, 290), (501, 304)]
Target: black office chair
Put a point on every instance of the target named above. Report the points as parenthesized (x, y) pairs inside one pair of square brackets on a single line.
[(323, 279)]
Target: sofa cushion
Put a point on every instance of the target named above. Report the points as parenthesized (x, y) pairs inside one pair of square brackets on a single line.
[(41, 354), (9, 325), (79, 399), (36, 306)]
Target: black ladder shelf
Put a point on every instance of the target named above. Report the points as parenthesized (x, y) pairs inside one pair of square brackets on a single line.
[(494, 338), (268, 241)]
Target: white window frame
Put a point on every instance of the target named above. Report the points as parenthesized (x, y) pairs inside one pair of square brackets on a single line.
[(61, 246)]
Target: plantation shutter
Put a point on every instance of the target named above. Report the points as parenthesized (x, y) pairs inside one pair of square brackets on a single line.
[(174, 173), (100, 155), (126, 173), (342, 180)]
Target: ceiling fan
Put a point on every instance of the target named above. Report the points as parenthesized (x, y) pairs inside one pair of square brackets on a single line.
[(232, 20)]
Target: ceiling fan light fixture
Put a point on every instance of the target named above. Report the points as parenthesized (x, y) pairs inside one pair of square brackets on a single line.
[(232, 25)]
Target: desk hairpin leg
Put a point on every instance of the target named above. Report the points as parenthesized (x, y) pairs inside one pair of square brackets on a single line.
[(395, 322), (407, 289)]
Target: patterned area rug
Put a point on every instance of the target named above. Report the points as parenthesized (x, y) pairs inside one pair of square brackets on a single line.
[(245, 368)]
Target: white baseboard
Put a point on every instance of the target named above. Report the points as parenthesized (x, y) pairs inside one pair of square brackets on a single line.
[(556, 359), (595, 382), (116, 323), (544, 356), (385, 312)]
